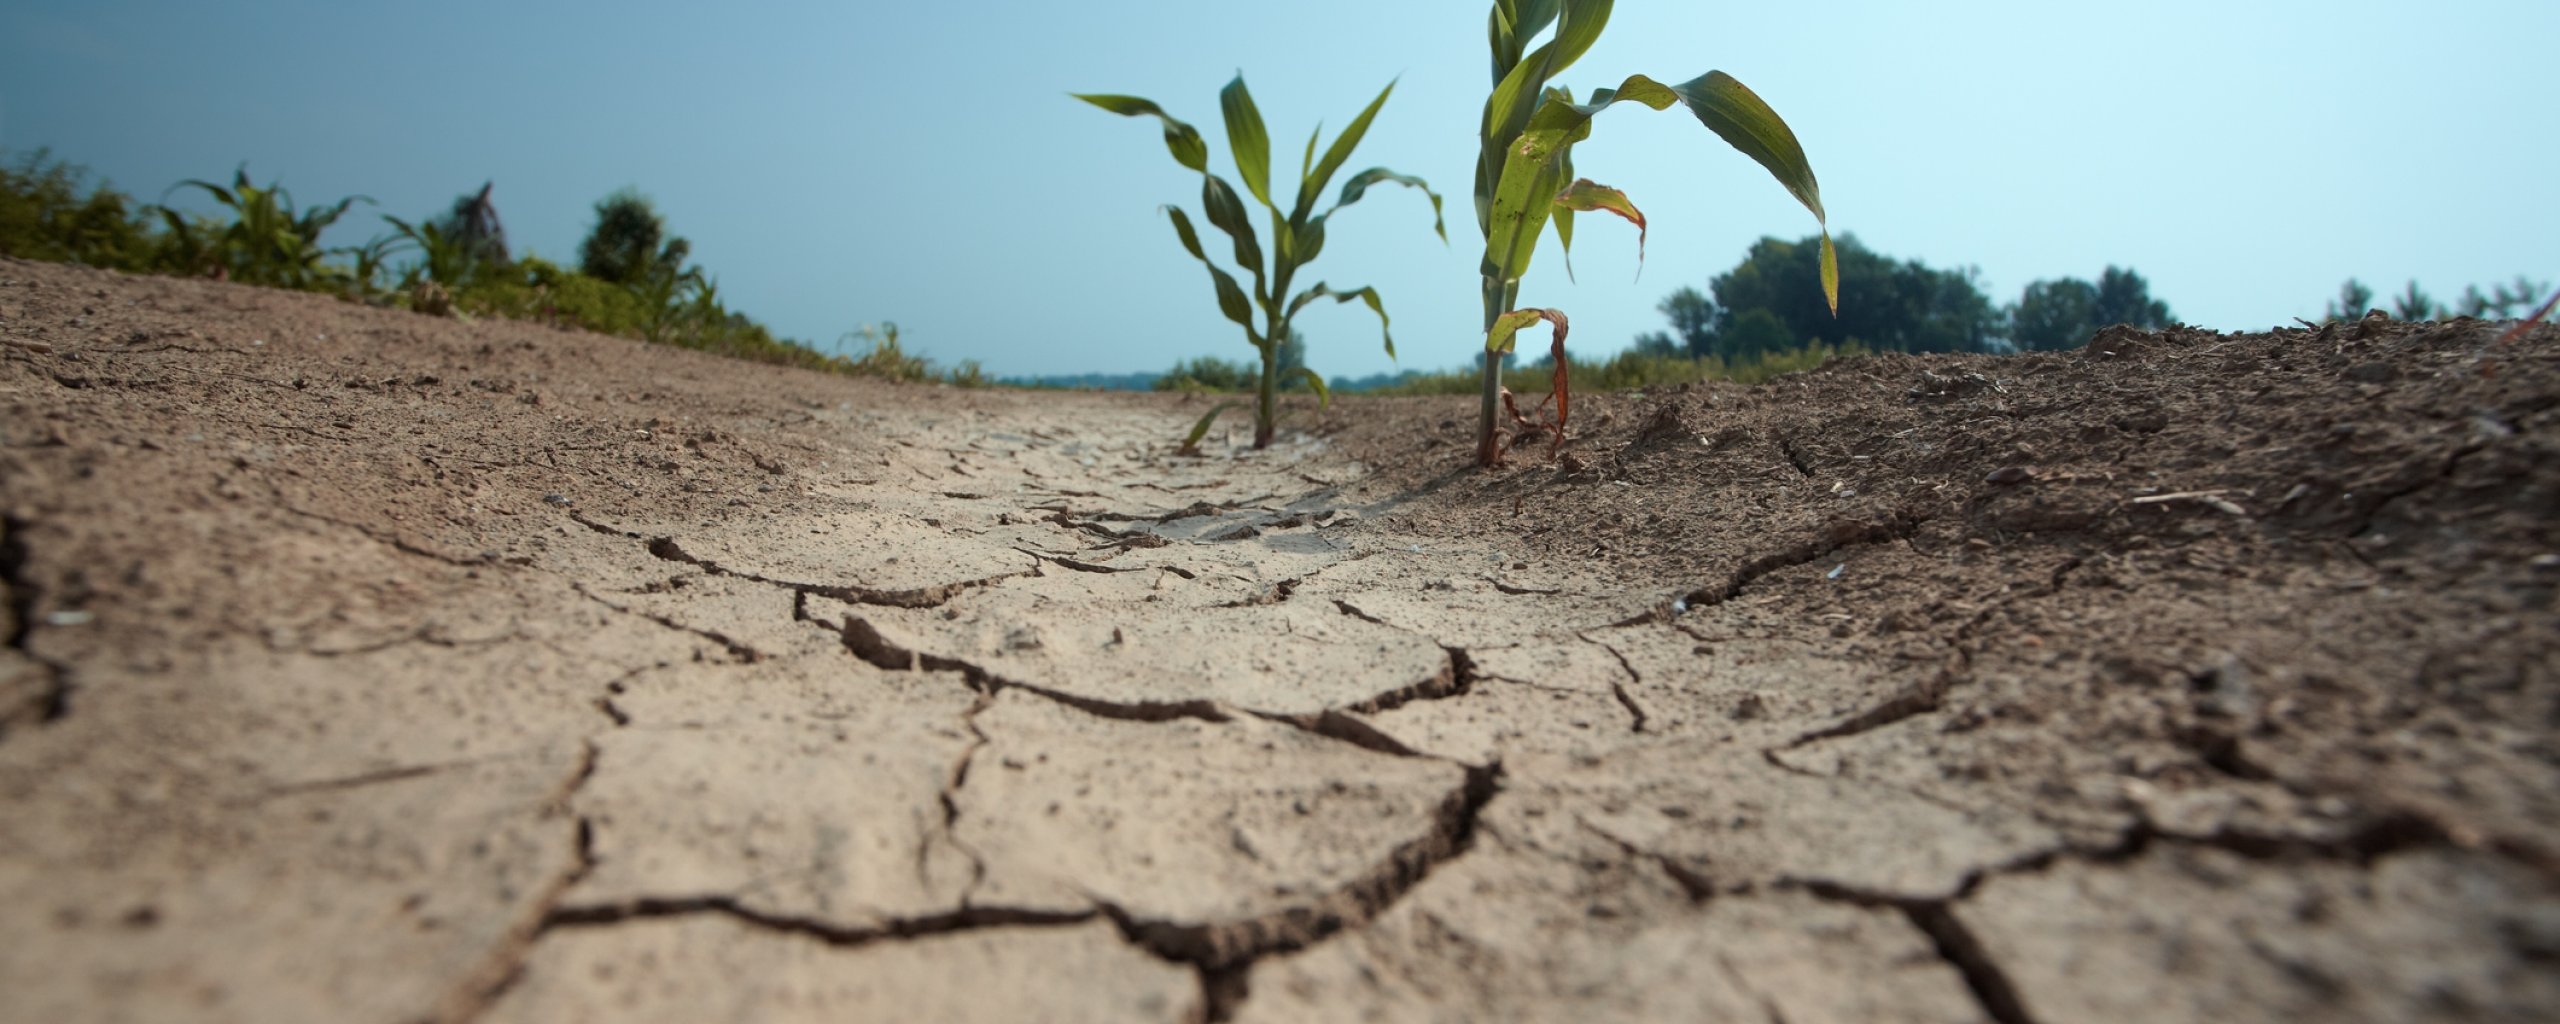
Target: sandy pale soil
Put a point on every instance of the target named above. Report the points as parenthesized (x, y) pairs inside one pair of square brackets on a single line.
[(364, 666)]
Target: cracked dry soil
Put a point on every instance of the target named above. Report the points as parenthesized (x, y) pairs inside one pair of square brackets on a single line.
[(362, 666)]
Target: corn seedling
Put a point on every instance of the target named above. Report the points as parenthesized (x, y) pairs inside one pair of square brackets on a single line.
[(1297, 236), (1525, 177), (268, 241), (442, 258)]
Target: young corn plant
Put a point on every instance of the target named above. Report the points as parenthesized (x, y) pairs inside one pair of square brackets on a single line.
[(1525, 177), (1297, 236), (268, 241)]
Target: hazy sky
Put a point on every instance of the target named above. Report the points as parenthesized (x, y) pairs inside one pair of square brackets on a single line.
[(837, 164)]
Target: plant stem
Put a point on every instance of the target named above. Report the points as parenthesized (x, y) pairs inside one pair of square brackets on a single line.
[(1270, 391), (1497, 298)]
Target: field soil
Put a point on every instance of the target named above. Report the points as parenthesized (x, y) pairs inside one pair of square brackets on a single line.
[(363, 666)]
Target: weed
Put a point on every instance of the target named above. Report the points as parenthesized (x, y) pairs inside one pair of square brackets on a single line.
[(45, 216)]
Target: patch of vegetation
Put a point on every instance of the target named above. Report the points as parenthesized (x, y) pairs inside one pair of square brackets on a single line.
[(2504, 301), (633, 279), (1629, 369), (49, 210)]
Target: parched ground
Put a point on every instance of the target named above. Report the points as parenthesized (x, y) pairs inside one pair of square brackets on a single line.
[(363, 666)]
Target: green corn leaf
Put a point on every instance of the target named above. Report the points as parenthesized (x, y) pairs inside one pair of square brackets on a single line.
[(1231, 299), (1564, 219), (1307, 160), (1521, 208), (1312, 184), (219, 193), (1738, 115), (1227, 213), (1516, 96), (1368, 295), (1513, 24), (1200, 428), (1309, 241), (1184, 141), (1247, 138), (1324, 395)]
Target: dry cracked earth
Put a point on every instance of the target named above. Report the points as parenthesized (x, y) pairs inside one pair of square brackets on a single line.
[(363, 666)]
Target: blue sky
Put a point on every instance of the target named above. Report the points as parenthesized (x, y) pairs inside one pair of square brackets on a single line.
[(839, 164)]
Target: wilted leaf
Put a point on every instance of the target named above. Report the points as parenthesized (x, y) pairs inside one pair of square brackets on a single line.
[(1184, 141), (1586, 195), (1367, 295)]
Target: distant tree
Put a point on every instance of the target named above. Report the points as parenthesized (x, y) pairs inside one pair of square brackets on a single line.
[(2054, 315), (629, 244), (1902, 306), (2125, 298), (1293, 357), (2412, 304), (473, 224), (1756, 333), (2064, 312), (1693, 320), (2353, 300)]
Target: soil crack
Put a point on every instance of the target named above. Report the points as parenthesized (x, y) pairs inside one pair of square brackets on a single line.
[(950, 799), (1635, 712), (504, 966), (934, 596), (963, 919), (1224, 951), (1955, 944), (50, 698), (742, 652), (866, 643), (1900, 526), (1929, 694), (1693, 883)]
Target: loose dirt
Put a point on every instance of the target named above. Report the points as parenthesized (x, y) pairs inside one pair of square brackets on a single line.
[(366, 666)]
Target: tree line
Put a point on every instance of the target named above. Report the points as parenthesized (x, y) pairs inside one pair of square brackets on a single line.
[(1761, 307), (1771, 303)]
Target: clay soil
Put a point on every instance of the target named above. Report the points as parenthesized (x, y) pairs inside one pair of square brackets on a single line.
[(366, 666)]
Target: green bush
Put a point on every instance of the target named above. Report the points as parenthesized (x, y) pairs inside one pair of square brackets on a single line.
[(48, 211)]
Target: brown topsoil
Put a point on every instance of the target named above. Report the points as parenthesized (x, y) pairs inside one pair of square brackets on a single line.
[(367, 666)]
